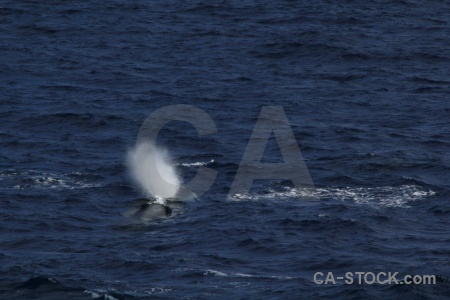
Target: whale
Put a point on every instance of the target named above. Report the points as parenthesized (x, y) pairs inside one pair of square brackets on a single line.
[(149, 209)]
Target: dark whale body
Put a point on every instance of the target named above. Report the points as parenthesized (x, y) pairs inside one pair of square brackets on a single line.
[(151, 209), (155, 207)]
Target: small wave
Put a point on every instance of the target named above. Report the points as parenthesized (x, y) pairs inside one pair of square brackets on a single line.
[(99, 295), (385, 196), (196, 164), (105, 295), (158, 290), (223, 274), (286, 194), (22, 180), (36, 282)]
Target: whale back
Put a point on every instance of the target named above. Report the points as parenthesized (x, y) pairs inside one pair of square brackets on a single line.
[(152, 209)]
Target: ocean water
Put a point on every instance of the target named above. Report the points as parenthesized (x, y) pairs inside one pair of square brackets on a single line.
[(365, 86)]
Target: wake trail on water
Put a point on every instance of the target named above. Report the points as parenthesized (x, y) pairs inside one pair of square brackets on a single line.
[(151, 169)]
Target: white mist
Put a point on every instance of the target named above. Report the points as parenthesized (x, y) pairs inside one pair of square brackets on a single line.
[(150, 167)]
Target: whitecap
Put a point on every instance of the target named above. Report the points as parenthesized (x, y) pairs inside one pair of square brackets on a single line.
[(196, 164), (29, 179), (211, 272), (97, 295), (382, 196)]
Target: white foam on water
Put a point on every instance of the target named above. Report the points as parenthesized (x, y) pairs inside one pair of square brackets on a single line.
[(211, 272), (23, 180), (158, 290), (196, 164), (150, 167), (287, 193), (96, 295), (384, 196)]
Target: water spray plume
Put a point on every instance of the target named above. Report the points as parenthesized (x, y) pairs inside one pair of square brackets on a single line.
[(151, 169)]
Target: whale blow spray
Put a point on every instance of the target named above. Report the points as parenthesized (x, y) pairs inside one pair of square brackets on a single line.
[(150, 167)]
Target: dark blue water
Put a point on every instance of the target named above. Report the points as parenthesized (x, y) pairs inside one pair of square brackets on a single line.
[(365, 87)]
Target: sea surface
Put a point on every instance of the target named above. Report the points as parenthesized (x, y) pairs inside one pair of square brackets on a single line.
[(365, 86)]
